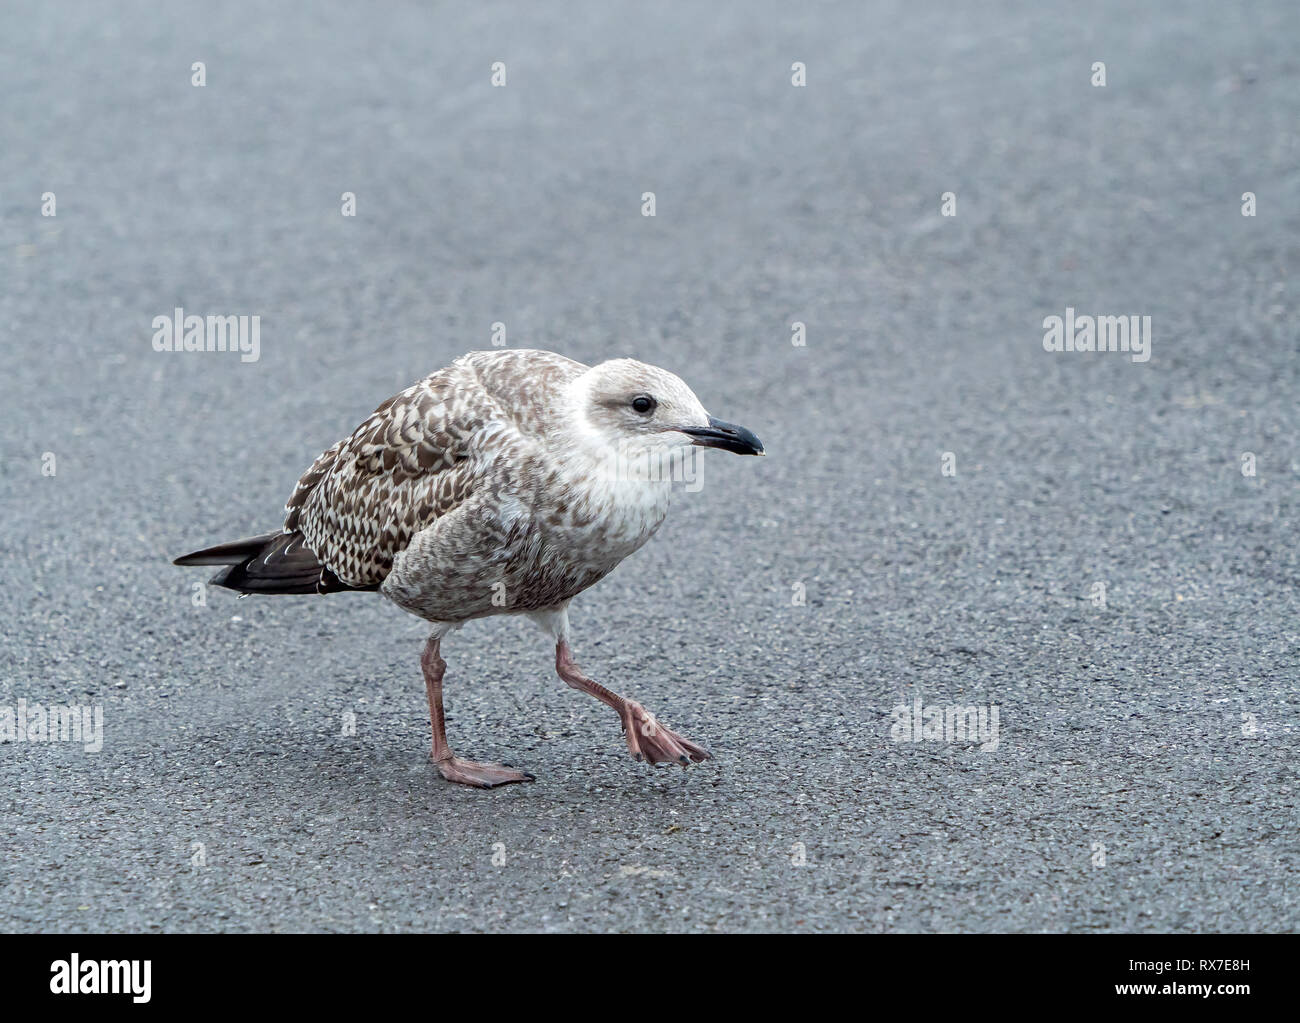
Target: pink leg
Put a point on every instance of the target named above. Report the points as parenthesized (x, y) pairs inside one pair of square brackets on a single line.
[(466, 772), (647, 739)]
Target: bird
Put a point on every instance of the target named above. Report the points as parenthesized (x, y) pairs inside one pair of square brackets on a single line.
[(506, 483)]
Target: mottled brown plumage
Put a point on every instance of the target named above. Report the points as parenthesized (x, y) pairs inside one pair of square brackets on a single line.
[(506, 483), (418, 457)]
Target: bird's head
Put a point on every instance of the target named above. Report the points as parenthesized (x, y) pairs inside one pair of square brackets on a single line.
[(628, 405)]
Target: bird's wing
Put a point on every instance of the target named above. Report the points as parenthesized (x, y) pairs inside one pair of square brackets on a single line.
[(408, 464)]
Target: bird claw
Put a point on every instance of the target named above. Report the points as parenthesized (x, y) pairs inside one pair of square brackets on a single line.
[(651, 741), (483, 776)]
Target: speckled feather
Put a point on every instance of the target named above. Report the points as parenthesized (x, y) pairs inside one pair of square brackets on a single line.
[(422, 455), (507, 482), (475, 451)]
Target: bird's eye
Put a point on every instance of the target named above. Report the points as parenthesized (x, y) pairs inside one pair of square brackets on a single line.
[(643, 403)]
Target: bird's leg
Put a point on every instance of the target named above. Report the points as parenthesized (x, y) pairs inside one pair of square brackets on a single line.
[(466, 772), (647, 739)]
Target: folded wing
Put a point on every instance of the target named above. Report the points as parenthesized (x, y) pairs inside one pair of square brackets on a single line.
[(408, 464)]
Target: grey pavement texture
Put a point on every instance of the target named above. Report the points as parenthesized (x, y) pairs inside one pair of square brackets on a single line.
[(1145, 778)]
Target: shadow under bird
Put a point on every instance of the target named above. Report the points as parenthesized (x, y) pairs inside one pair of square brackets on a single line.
[(507, 483)]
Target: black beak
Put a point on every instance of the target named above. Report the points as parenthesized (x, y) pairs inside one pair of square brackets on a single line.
[(727, 436)]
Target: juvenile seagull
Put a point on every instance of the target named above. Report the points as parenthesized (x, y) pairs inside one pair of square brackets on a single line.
[(506, 483)]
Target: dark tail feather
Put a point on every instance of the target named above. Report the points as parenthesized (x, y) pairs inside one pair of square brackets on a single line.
[(232, 553), (271, 563)]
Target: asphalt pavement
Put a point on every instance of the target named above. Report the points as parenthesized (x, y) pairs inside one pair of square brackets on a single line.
[(1096, 552)]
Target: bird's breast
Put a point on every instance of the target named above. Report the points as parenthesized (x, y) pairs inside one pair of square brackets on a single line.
[(601, 521)]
